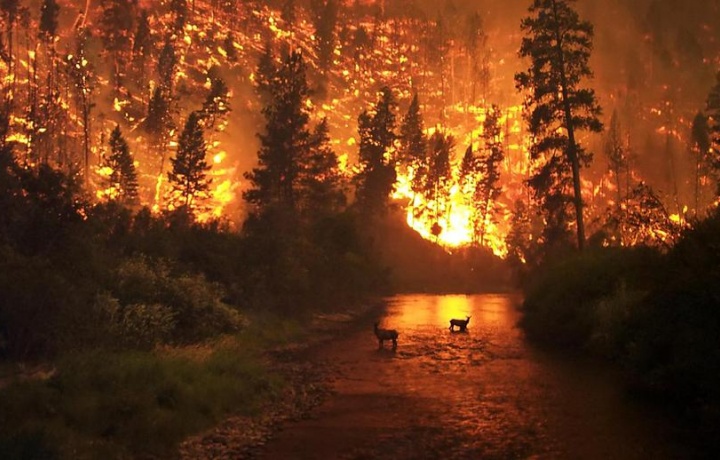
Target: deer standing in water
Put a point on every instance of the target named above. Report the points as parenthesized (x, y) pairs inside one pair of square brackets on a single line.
[(461, 323), (386, 334)]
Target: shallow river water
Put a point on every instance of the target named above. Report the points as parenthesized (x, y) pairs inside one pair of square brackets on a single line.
[(480, 394)]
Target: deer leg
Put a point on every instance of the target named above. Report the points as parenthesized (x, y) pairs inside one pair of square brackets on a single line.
[(394, 343)]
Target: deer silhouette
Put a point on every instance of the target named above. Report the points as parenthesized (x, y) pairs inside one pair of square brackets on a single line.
[(386, 334), (460, 323)]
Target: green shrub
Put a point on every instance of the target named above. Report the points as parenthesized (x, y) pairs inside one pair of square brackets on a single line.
[(158, 297), (200, 312), (136, 326)]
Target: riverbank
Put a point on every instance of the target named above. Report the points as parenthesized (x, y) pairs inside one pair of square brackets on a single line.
[(306, 386)]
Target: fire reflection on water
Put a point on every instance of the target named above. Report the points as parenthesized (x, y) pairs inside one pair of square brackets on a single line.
[(432, 311)]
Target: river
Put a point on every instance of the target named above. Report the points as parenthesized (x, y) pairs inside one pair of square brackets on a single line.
[(480, 394)]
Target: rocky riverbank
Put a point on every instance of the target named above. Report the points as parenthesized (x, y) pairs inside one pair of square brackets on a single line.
[(307, 385)]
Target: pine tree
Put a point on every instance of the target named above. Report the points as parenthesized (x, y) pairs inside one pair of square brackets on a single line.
[(116, 25), (376, 179), (320, 181), (229, 47), (477, 66), (325, 16), (124, 176), (167, 61), (289, 13), (266, 74), (469, 173), (412, 141), (142, 43), (488, 190), (412, 149), (49, 19), (520, 239), (179, 11), (46, 116), (438, 45), (285, 144), (158, 124), (558, 44), (190, 183), (82, 77)]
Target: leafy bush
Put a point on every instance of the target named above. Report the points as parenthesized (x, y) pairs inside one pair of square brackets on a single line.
[(160, 298), (136, 326)]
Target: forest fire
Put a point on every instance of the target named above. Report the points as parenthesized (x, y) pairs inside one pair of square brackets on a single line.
[(455, 78), (187, 187)]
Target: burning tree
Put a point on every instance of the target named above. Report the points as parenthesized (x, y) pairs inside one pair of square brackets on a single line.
[(189, 166), (216, 103), (45, 116), (558, 44), (142, 44), (82, 79), (478, 72), (116, 25), (325, 17), (166, 67)]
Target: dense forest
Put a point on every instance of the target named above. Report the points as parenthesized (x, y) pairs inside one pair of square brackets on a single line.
[(170, 170)]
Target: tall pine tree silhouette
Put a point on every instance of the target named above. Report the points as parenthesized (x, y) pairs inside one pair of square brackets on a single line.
[(274, 195), (558, 45), (375, 182), (488, 190)]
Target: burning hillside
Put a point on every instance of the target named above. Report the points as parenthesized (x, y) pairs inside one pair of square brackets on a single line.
[(73, 71)]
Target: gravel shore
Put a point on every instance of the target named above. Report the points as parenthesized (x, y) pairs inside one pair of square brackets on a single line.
[(308, 384)]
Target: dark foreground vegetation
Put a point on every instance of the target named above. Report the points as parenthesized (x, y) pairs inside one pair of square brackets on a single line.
[(656, 314)]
